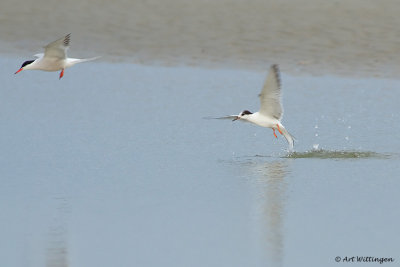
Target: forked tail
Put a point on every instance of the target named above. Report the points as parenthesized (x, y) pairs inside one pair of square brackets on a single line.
[(73, 61), (289, 138), (87, 59)]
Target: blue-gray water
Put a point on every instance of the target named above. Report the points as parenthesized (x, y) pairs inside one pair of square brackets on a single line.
[(115, 165)]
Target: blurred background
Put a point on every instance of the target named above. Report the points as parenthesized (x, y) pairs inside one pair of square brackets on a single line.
[(338, 36)]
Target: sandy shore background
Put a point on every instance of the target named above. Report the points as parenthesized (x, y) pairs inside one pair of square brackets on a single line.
[(317, 37)]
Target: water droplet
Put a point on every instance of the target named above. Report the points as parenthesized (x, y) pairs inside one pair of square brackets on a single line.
[(349, 127), (316, 127), (347, 138), (315, 146), (316, 134)]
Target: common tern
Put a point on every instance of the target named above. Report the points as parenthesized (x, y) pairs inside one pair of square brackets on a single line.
[(54, 58), (271, 111)]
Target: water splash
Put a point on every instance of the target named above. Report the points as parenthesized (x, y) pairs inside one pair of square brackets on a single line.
[(337, 154)]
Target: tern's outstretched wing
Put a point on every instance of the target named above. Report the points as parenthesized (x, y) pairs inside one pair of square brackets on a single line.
[(58, 48), (229, 117), (39, 55), (270, 96)]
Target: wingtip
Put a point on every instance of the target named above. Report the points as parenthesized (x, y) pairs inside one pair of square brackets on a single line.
[(275, 69), (208, 118), (67, 39), (214, 118)]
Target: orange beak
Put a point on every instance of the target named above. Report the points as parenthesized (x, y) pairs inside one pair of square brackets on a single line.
[(18, 71)]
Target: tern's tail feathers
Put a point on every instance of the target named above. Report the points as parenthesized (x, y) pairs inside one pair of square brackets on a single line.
[(73, 61), (289, 138), (87, 59)]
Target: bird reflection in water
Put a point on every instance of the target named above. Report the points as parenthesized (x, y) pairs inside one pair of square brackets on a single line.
[(57, 248), (272, 195)]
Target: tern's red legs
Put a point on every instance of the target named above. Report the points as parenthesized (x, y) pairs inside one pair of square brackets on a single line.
[(274, 133), (279, 130), (61, 73)]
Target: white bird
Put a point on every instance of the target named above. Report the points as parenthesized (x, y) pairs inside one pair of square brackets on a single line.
[(271, 111), (54, 58)]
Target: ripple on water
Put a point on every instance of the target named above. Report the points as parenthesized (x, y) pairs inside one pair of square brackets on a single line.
[(337, 154)]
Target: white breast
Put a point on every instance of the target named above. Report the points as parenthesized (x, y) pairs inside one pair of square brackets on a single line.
[(262, 120)]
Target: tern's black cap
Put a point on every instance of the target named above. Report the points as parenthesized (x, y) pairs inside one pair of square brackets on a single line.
[(26, 63), (246, 112)]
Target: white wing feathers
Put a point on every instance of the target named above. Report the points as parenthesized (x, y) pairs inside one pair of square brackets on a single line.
[(270, 96), (228, 117), (39, 55), (58, 48)]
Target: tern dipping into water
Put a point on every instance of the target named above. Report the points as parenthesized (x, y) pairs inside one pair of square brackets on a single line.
[(271, 111), (54, 58)]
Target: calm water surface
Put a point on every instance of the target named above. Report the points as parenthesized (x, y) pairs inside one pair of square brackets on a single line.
[(115, 165)]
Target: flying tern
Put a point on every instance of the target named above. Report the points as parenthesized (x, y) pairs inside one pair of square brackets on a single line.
[(54, 58), (271, 110)]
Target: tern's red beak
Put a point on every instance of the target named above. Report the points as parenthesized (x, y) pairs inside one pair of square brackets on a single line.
[(237, 117), (18, 71)]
